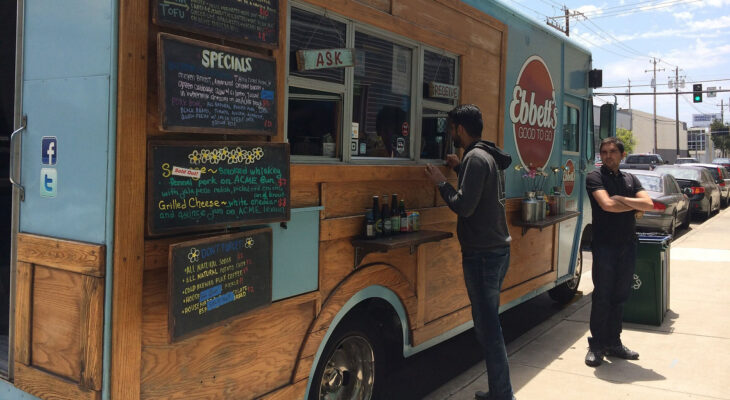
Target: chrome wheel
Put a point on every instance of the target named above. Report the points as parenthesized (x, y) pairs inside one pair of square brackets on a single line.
[(349, 372)]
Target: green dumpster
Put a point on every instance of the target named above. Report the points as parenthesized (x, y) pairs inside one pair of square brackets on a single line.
[(649, 299)]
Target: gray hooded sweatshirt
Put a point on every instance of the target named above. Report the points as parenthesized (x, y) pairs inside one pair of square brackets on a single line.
[(480, 200)]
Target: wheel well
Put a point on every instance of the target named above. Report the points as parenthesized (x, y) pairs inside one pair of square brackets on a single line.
[(381, 313)]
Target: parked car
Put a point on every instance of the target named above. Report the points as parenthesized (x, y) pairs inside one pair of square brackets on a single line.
[(725, 162), (722, 178), (698, 185), (671, 206), (686, 160), (642, 161), (598, 161)]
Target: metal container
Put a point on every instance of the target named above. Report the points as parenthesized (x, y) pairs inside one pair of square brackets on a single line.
[(560, 203), (541, 205), (529, 207)]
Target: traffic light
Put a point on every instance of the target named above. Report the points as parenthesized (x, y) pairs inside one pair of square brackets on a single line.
[(697, 91)]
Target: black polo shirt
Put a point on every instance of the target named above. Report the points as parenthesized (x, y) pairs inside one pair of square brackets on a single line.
[(610, 226)]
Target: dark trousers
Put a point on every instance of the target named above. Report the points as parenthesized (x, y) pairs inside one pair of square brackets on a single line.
[(484, 273), (613, 271)]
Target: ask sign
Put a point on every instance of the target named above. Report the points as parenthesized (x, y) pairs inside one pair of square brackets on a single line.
[(324, 58)]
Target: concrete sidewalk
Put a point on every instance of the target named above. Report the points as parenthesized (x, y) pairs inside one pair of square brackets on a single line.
[(687, 357)]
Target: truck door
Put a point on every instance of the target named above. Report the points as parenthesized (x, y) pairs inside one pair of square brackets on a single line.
[(573, 173)]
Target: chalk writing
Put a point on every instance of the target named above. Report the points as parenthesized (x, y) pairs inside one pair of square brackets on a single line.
[(216, 185), (239, 20), (215, 88), (216, 278)]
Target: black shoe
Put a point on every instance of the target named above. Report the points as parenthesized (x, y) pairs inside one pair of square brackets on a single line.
[(479, 395), (594, 358), (621, 352)]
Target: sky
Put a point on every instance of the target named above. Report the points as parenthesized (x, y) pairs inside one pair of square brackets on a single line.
[(626, 36)]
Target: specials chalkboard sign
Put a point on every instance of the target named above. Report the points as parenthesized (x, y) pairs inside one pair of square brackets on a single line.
[(198, 186), (213, 279), (255, 21), (206, 88)]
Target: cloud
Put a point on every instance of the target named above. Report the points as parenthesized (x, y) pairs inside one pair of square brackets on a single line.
[(686, 15)]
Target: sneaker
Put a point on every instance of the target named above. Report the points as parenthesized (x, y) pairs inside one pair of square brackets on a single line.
[(621, 352), (594, 358)]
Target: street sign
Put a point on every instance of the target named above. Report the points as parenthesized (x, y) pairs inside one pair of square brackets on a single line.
[(711, 91)]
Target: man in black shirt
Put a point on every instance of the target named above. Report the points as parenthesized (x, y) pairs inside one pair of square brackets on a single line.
[(616, 197)]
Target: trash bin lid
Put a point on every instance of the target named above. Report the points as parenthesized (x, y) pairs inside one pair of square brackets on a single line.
[(654, 237)]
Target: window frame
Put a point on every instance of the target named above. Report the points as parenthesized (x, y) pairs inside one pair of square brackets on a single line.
[(346, 91), (569, 105)]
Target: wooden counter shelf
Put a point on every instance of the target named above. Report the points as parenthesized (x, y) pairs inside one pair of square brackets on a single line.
[(364, 247), (548, 221)]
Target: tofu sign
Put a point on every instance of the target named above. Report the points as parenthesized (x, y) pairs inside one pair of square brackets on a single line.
[(324, 58)]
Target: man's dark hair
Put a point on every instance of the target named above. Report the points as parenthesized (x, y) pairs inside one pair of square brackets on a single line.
[(468, 116), (613, 140)]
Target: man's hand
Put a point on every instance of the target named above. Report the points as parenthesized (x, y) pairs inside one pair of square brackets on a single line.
[(452, 160), (434, 174)]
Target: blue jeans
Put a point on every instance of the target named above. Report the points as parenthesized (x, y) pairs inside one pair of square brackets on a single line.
[(484, 273), (613, 271)]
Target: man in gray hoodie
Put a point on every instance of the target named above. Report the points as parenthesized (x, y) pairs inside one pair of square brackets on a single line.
[(482, 231)]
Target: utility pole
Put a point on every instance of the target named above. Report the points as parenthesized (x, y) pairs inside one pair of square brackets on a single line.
[(654, 61), (553, 21), (722, 110), (676, 104), (629, 94)]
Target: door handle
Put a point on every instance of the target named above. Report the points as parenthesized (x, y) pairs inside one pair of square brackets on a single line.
[(15, 175)]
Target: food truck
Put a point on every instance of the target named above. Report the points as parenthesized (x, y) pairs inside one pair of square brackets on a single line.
[(189, 184)]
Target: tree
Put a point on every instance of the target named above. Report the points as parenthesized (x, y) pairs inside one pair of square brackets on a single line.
[(720, 137), (627, 138)]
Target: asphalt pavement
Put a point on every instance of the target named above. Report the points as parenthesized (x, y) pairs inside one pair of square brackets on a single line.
[(685, 358)]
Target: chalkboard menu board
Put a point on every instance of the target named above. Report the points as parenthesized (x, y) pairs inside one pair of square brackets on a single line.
[(215, 89), (195, 186), (242, 21), (210, 280)]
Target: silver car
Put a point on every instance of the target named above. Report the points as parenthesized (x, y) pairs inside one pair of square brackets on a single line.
[(671, 206)]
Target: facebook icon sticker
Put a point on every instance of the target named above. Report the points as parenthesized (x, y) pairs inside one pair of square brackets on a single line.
[(49, 150)]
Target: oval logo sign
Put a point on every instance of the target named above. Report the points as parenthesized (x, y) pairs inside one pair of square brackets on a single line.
[(569, 177), (533, 113)]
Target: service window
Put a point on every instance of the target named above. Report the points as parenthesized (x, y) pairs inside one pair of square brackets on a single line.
[(571, 125), (440, 95), (381, 104), (387, 103), (315, 103)]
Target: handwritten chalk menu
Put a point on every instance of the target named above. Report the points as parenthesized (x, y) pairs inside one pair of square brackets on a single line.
[(239, 20), (215, 89), (195, 186), (210, 280)]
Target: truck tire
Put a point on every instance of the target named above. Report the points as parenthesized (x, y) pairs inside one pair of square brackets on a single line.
[(353, 363), (565, 292)]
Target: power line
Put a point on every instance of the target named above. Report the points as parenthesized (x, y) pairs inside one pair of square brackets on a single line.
[(665, 84), (632, 10)]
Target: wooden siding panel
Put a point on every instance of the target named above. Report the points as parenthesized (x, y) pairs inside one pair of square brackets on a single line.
[(531, 255), (244, 357), (23, 301), (445, 291), (56, 322), (47, 386), (132, 91), (450, 22), (92, 330), (381, 5), (304, 194), (344, 199), (82, 258)]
